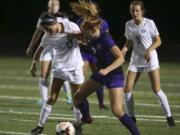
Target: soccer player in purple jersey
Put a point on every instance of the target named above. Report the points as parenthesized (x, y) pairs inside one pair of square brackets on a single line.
[(109, 70), (87, 53)]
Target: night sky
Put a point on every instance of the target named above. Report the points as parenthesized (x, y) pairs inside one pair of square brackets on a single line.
[(19, 18)]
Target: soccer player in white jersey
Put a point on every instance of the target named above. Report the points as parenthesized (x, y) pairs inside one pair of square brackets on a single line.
[(46, 57), (141, 33), (67, 63)]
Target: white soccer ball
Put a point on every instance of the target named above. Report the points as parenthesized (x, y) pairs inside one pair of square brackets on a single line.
[(65, 128)]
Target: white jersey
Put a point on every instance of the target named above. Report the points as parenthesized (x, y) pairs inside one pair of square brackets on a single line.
[(47, 53), (142, 36), (66, 52)]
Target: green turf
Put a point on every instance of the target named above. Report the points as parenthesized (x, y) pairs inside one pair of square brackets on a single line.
[(19, 110)]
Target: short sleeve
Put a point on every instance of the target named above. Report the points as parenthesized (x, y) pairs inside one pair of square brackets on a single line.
[(69, 27), (44, 41), (109, 41), (104, 26), (153, 29)]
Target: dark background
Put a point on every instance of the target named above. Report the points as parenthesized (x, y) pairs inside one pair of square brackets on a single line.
[(19, 18)]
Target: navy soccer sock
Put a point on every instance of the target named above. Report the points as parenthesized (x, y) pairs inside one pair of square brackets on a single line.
[(84, 108), (130, 125), (100, 95)]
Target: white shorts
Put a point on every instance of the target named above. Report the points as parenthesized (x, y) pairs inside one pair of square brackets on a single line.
[(46, 55), (134, 68), (74, 76)]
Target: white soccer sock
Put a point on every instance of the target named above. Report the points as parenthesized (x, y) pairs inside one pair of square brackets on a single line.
[(129, 104), (43, 88), (164, 102), (67, 90), (77, 115), (45, 111)]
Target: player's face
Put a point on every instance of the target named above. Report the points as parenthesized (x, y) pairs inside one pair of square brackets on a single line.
[(90, 30), (136, 12), (94, 33), (53, 6)]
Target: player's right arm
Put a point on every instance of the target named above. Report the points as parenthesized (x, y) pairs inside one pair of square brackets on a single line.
[(35, 60), (35, 38), (126, 47), (128, 44)]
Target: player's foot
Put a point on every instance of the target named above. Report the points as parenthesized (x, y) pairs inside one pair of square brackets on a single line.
[(170, 121), (87, 120), (134, 119), (78, 129), (103, 107), (37, 130)]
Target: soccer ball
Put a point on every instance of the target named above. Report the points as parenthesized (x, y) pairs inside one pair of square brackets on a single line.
[(65, 128)]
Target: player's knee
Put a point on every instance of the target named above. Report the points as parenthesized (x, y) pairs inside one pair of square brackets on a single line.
[(127, 89), (118, 112), (51, 100)]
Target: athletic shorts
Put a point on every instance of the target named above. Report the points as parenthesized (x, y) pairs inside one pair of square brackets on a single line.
[(134, 68), (74, 76), (46, 55), (88, 57), (112, 80)]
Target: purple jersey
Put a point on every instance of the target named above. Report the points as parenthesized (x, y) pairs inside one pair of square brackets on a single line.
[(105, 57), (103, 47), (104, 28)]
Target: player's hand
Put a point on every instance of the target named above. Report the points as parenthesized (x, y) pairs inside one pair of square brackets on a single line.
[(29, 51), (148, 55), (103, 72), (124, 50), (33, 70)]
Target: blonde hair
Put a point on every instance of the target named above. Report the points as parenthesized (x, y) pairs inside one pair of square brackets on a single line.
[(89, 12), (86, 10)]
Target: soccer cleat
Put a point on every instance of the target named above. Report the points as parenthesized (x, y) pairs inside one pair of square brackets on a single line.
[(134, 119), (78, 129), (103, 107), (170, 121), (37, 130), (87, 120)]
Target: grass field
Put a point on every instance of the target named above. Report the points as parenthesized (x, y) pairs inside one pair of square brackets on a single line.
[(19, 110)]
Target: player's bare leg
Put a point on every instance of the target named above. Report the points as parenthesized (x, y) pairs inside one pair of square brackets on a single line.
[(156, 86), (43, 80)]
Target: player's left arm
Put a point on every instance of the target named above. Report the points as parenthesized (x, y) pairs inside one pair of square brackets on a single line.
[(155, 44), (116, 63)]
